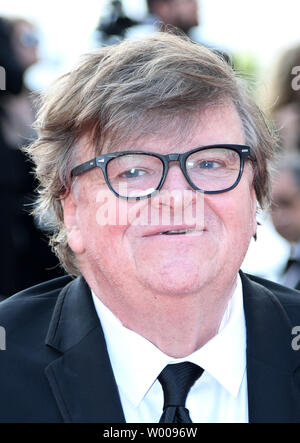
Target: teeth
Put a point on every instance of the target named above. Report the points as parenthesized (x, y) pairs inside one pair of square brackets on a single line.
[(178, 231)]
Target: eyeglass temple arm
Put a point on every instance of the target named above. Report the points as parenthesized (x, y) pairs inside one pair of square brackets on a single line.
[(84, 167)]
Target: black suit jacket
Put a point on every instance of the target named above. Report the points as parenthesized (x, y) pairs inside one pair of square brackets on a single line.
[(56, 367)]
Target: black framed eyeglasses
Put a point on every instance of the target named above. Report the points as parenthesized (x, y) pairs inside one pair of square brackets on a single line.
[(139, 174)]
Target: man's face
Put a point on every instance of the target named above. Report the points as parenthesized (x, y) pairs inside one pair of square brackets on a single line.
[(135, 255), (286, 206), (180, 13), (25, 44)]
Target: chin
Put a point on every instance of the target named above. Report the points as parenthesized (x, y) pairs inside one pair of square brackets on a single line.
[(177, 280)]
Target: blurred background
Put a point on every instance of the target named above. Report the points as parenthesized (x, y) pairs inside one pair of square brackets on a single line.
[(257, 31), (41, 40)]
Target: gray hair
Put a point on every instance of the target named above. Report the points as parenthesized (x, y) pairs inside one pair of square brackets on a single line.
[(135, 88)]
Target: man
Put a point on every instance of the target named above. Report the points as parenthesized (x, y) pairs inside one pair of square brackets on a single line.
[(183, 15), (115, 26), (153, 157), (286, 214), (180, 13)]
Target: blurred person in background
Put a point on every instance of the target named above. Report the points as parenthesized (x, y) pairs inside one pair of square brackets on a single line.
[(182, 15), (25, 257), (285, 213), (113, 26), (286, 101)]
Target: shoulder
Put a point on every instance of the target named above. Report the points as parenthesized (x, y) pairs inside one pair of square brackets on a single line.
[(36, 303), (25, 318), (283, 293), (286, 298)]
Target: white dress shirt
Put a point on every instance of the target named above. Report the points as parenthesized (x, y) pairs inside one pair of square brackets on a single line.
[(218, 396)]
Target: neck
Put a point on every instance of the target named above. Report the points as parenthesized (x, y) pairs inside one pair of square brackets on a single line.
[(178, 325)]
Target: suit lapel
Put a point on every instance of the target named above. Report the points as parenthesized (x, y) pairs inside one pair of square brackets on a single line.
[(81, 379), (271, 362)]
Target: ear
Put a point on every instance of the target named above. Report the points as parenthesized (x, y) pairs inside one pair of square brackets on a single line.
[(74, 235)]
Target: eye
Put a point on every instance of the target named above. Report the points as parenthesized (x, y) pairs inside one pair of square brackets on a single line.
[(209, 164), (133, 173)]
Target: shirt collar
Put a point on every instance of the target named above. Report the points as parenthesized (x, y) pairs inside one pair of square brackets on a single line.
[(136, 362), (224, 356)]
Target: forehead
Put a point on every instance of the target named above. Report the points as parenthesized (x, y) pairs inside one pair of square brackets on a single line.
[(212, 125)]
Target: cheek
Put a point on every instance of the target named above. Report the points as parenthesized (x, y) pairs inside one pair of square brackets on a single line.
[(236, 211), (103, 224), (246, 216), (110, 210)]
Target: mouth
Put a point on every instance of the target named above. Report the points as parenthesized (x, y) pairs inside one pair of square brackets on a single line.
[(174, 231), (187, 232), (179, 232)]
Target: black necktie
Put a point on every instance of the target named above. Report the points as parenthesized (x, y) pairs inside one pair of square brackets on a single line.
[(176, 381)]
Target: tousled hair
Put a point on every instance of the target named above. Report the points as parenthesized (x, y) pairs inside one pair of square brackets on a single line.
[(135, 88)]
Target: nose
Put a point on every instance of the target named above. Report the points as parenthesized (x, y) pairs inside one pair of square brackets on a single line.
[(176, 193), (175, 178)]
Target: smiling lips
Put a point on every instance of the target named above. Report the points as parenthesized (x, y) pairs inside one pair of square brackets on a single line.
[(178, 231)]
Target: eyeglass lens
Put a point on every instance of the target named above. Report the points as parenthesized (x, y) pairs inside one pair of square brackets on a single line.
[(213, 169), (136, 175)]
